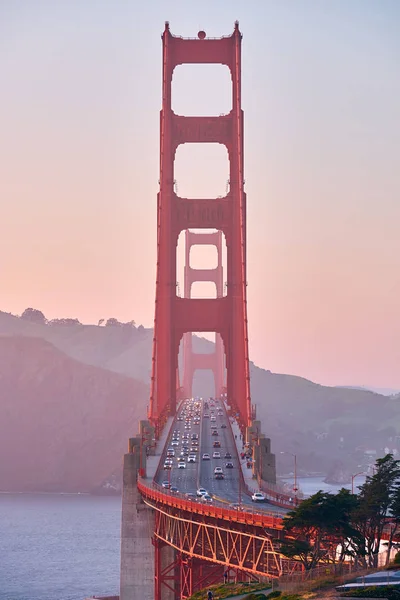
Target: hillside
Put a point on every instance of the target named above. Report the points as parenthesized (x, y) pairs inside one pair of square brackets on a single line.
[(64, 425), (322, 425)]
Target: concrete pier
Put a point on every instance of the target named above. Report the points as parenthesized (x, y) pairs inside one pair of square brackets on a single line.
[(137, 552)]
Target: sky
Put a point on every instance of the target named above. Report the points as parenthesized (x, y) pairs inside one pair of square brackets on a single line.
[(79, 168)]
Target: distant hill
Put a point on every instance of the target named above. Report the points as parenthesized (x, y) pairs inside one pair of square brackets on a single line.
[(109, 371), (64, 425), (383, 391)]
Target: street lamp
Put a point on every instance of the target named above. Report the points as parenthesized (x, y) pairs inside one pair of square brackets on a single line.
[(295, 487), (353, 478)]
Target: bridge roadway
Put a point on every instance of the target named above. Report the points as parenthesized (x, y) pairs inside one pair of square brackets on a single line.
[(192, 419)]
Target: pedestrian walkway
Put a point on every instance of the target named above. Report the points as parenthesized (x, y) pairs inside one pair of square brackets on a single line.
[(153, 460), (250, 481)]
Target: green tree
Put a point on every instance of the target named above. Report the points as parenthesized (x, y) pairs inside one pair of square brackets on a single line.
[(377, 497), (305, 530), (394, 521), (321, 529)]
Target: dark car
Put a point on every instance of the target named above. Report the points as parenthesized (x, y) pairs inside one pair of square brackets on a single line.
[(228, 465), (217, 444), (223, 426), (219, 475), (228, 455)]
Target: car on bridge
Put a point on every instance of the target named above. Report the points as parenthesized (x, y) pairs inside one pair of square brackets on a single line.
[(228, 465), (201, 491), (191, 458), (181, 465), (217, 444), (215, 433), (228, 455), (206, 456), (216, 454), (218, 470), (236, 506), (175, 442), (174, 489), (223, 426), (190, 496), (258, 497), (206, 498), (166, 485)]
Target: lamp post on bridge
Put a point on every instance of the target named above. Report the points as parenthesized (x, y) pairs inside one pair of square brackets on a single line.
[(353, 478), (295, 486)]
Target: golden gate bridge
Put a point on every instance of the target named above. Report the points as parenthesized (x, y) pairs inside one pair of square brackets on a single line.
[(176, 539)]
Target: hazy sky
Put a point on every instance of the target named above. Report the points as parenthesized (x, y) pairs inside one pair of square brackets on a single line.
[(79, 141)]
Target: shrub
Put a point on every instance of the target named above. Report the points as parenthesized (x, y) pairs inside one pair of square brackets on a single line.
[(396, 560), (275, 594), (384, 591)]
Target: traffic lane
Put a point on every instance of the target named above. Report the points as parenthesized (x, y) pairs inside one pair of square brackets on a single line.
[(231, 488), (228, 487), (184, 479)]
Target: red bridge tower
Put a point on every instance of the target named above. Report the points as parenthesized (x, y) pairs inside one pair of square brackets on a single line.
[(225, 315), (215, 360)]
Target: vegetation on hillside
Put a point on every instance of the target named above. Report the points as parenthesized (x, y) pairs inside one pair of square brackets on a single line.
[(354, 524), (226, 590)]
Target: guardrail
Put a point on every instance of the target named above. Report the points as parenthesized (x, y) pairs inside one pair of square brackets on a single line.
[(157, 493)]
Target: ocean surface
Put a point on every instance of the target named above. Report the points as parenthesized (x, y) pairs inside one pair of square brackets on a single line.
[(67, 547), (58, 547)]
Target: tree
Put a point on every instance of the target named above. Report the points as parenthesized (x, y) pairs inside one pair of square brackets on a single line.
[(321, 529), (34, 316), (378, 496), (305, 528), (395, 520)]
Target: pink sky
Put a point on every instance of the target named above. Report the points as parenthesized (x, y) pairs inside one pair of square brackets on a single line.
[(79, 118)]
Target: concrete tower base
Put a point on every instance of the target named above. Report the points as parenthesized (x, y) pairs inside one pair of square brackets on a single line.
[(137, 552)]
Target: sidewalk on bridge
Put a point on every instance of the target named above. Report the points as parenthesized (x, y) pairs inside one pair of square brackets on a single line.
[(153, 460), (247, 473)]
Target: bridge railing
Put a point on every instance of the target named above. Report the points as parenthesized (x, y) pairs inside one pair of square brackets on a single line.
[(249, 515)]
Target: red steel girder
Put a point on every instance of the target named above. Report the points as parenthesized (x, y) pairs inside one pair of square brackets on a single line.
[(249, 549)]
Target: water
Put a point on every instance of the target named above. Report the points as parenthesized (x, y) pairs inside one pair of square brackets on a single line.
[(67, 547), (311, 485), (58, 547)]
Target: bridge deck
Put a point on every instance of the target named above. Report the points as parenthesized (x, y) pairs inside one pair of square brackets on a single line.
[(216, 434)]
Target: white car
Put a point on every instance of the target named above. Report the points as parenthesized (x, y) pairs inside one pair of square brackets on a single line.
[(216, 454), (181, 465), (218, 470), (191, 458), (175, 443), (201, 491), (258, 497), (206, 456)]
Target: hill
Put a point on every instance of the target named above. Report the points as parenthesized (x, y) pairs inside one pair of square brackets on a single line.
[(321, 425), (64, 425)]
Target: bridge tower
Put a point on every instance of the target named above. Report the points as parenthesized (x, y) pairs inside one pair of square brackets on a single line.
[(225, 315), (192, 361)]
